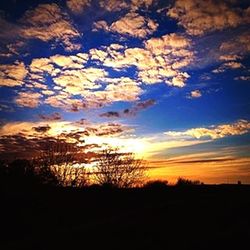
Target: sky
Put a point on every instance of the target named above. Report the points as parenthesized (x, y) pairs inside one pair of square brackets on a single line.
[(166, 80)]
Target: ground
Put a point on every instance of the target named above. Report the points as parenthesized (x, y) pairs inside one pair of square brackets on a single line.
[(196, 217)]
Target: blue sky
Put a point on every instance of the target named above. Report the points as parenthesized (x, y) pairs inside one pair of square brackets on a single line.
[(168, 80)]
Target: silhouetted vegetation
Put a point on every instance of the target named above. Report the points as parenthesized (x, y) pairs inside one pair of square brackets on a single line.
[(156, 184), (155, 216), (114, 169), (61, 161), (20, 173), (186, 182)]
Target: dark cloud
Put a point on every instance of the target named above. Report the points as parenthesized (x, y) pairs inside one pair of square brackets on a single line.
[(129, 112), (51, 117), (19, 146), (42, 129), (145, 104), (110, 114)]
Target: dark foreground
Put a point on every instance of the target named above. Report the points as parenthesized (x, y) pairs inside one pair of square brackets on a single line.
[(199, 217)]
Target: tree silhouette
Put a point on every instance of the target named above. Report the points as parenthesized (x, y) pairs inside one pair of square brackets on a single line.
[(115, 169), (19, 173), (61, 163)]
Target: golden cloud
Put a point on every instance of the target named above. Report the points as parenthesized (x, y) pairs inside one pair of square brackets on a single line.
[(131, 24), (160, 60), (195, 94), (12, 75), (118, 5), (113, 5), (28, 99), (47, 22), (77, 6), (228, 65), (201, 16)]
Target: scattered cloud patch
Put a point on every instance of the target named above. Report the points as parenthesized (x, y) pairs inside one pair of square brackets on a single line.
[(200, 16), (12, 75), (130, 111), (242, 78), (50, 117), (239, 127), (78, 6), (195, 94), (132, 24), (228, 65), (28, 99)]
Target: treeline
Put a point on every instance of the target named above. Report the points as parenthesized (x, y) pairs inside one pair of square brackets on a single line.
[(22, 173), (62, 164)]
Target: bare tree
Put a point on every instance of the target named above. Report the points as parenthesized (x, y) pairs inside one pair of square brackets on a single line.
[(119, 170), (63, 161)]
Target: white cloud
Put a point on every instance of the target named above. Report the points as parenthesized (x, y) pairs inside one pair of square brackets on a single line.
[(239, 127)]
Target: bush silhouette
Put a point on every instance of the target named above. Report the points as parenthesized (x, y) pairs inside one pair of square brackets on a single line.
[(186, 182), (20, 173), (156, 184)]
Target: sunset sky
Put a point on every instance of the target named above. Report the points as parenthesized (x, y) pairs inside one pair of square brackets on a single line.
[(167, 80)]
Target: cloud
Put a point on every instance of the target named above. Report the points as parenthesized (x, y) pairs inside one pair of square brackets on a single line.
[(47, 92), (63, 129), (41, 65), (238, 46), (75, 82), (138, 4), (159, 61), (113, 5), (50, 117), (47, 23), (42, 129), (5, 108), (74, 61), (200, 17), (229, 57), (118, 5), (100, 25), (239, 127), (66, 82), (228, 65), (167, 42), (28, 99), (242, 78), (27, 139), (96, 90), (195, 94), (12, 75), (144, 104), (110, 114), (117, 89), (78, 6), (179, 80), (132, 24), (208, 167), (129, 112)]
